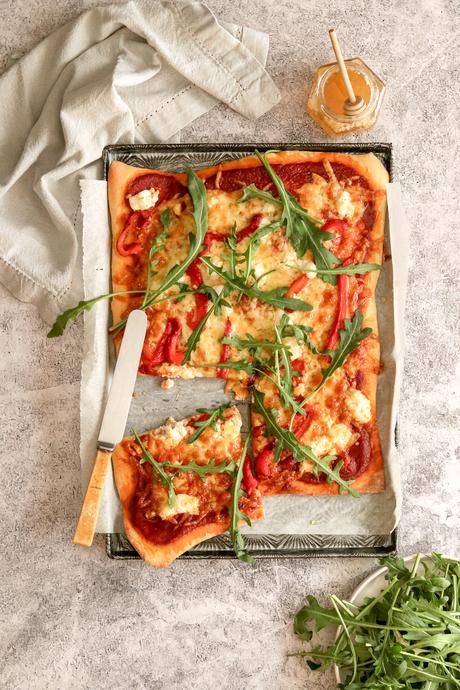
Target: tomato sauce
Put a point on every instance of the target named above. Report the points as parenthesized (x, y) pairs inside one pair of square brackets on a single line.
[(158, 531), (293, 176), (358, 457), (167, 186)]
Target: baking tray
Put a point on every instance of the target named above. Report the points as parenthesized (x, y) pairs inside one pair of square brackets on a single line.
[(176, 157)]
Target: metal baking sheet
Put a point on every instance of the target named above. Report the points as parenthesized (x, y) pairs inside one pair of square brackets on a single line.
[(176, 157)]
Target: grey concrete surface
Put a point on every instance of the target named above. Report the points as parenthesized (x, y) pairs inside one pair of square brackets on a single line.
[(71, 618)]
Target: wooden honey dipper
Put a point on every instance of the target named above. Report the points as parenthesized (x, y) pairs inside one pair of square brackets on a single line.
[(353, 105)]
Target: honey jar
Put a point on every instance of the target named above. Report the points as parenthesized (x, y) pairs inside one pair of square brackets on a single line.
[(339, 107)]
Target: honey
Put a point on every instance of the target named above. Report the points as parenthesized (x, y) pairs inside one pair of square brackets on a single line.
[(335, 93), (328, 95)]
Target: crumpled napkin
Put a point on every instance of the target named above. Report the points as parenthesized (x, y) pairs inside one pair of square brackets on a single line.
[(137, 72)]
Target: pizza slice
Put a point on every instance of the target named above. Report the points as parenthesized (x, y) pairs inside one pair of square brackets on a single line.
[(181, 484)]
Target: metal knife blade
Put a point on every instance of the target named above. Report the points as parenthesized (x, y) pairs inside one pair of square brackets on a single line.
[(123, 382)]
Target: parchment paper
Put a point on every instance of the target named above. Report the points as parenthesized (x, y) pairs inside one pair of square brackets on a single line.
[(368, 515)]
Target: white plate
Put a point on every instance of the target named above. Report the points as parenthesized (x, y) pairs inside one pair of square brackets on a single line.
[(370, 587)]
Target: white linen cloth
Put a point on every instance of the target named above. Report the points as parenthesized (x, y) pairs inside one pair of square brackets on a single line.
[(136, 72)]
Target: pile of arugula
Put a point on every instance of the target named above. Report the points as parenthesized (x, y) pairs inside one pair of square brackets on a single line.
[(408, 636)]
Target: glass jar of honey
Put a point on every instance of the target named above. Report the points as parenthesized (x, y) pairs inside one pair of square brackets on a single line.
[(328, 95)]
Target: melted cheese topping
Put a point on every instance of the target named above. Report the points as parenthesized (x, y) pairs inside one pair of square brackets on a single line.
[(194, 495), (331, 199), (183, 504), (358, 406), (171, 433)]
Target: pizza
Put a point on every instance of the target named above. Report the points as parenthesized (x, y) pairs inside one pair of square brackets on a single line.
[(176, 488), (262, 272)]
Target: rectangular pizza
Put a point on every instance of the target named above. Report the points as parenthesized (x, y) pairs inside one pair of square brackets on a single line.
[(262, 272)]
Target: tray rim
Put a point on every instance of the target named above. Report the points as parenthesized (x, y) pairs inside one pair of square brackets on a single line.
[(110, 152), (373, 545)]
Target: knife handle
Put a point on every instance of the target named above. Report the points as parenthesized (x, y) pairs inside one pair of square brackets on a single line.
[(86, 525)]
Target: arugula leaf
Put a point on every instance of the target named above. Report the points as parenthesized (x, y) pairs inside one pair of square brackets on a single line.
[(236, 514), (274, 297), (301, 230), (277, 363), (353, 269), (251, 343), (350, 337), (203, 424), (401, 638), (197, 192), (162, 476), (158, 244), (165, 219), (201, 470), (300, 452), (312, 612), (63, 319), (277, 299), (285, 381), (301, 334), (239, 365), (251, 192), (195, 335)]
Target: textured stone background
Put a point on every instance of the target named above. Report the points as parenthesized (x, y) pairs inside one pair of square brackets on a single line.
[(71, 618)]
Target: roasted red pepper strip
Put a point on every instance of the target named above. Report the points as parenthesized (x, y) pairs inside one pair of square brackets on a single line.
[(341, 313), (335, 225), (250, 229), (172, 354), (301, 423), (194, 270), (225, 352), (157, 356), (166, 349), (297, 365), (249, 481), (195, 316), (137, 221), (258, 430), (298, 285), (264, 461), (194, 273)]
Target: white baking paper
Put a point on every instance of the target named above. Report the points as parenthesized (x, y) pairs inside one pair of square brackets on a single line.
[(371, 514)]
